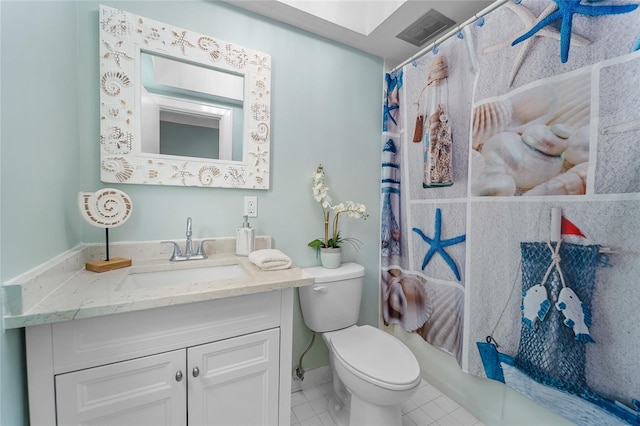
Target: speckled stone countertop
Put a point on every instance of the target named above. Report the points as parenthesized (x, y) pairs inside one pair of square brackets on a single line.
[(62, 289)]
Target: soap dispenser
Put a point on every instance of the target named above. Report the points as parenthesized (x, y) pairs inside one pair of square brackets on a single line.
[(245, 238)]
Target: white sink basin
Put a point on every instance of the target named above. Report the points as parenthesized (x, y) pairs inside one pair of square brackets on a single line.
[(156, 279)]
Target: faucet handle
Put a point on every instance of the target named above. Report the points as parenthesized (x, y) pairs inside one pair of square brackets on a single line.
[(201, 251), (189, 225), (176, 249)]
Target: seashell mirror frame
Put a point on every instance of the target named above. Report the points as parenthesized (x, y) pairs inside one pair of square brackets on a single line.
[(123, 36)]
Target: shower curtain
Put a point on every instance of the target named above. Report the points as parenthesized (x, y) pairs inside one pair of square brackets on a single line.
[(534, 107)]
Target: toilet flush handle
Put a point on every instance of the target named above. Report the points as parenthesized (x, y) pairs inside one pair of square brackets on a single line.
[(320, 289)]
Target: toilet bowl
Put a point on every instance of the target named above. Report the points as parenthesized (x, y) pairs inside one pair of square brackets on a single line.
[(373, 372), (378, 371)]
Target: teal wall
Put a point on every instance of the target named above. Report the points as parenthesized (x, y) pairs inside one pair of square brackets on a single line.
[(39, 172), (325, 108)]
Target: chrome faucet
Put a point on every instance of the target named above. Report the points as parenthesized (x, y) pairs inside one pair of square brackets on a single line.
[(188, 247)]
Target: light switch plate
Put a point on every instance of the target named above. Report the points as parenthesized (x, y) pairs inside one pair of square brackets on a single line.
[(251, 206)]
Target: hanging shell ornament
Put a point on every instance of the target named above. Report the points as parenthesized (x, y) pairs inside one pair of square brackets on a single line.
[(106, 208)]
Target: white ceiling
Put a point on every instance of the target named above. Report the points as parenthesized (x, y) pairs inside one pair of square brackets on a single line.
[(368, 25)]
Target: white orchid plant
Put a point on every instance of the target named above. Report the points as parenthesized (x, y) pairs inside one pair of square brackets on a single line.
[(351, 209)]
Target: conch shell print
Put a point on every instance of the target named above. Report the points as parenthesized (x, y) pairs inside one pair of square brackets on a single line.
[(533, 140), (404, 300), (106, 208)]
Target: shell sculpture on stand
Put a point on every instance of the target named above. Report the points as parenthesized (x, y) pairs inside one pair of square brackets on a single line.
[(106, 208), (535, 142)]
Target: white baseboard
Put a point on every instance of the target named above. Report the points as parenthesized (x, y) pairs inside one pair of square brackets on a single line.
[(312, 378)]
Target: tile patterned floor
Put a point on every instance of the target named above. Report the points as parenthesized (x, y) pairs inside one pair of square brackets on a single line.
[(428, 407)]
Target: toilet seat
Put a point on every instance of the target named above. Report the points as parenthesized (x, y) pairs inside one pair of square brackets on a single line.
[(376, 357)]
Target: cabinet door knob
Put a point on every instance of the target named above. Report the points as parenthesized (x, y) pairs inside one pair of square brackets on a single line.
[(179, 376), (196, 371)]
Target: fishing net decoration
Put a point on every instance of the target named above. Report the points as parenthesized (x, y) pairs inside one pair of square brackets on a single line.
[(551, 354)]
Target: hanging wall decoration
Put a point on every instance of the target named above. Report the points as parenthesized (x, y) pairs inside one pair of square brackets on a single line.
[(217, 93)]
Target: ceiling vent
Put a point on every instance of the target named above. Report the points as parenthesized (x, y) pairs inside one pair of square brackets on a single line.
[(429, 25)]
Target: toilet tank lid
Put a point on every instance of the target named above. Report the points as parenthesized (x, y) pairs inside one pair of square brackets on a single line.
[(343, 272)]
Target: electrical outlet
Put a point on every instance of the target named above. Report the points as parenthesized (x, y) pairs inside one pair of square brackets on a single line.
[(251, 206)]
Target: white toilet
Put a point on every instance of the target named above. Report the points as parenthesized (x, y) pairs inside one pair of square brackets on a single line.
[(373, 372)]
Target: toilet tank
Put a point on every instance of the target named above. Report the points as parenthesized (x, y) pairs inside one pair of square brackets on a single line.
[(332, 302)]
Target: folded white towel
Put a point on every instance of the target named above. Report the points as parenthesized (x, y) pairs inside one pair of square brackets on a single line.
[(270, 259)]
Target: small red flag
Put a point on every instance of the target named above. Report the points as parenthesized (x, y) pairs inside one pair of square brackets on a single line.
[(568, 228)]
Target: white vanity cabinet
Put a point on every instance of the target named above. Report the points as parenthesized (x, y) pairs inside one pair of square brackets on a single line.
[(219, 362)]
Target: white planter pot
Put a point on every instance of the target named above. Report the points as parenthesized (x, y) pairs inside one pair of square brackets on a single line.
[(330, 258)]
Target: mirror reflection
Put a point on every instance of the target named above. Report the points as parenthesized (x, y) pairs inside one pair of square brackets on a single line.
[(190, 110)]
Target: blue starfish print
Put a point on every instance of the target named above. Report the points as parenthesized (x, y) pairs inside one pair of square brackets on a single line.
[(387, 112), (566, 9), (438, 245), (391, 102)]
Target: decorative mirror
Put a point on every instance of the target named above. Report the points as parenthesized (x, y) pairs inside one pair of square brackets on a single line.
[(181, 108)]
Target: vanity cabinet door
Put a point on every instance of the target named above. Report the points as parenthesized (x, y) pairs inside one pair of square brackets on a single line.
[(142, 391), (235, 381)]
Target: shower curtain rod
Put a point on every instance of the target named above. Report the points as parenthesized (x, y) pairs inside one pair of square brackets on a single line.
[(453, 32)]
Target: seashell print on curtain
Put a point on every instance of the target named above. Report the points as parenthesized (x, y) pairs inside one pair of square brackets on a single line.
[(536, 125)]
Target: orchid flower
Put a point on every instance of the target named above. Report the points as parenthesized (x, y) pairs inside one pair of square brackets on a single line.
[(352, 209)]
